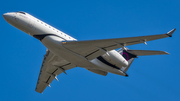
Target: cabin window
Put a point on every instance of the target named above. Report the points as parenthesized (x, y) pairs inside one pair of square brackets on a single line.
[(22, 12)]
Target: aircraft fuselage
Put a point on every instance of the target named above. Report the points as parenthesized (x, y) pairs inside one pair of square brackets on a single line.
[(53, 39)]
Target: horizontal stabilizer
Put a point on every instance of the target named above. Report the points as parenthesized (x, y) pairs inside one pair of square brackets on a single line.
[(146, 52)]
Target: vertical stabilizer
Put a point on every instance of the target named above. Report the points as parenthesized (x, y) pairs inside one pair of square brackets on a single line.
[(128, 56)]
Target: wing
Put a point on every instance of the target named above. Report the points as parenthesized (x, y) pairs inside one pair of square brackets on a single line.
[(94, 48), (52, 66)]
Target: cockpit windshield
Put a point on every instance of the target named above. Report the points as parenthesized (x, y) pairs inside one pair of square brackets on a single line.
[(21, 12)]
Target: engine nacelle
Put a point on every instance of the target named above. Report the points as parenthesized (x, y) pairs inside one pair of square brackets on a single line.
[(115, 58)]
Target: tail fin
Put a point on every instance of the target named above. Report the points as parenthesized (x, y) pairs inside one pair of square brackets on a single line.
[(128, 56)]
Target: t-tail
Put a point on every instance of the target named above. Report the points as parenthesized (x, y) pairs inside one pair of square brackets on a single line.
[(130, 55), (129, 58)]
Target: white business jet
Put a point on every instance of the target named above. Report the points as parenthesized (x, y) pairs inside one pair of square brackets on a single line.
[(65, 52)]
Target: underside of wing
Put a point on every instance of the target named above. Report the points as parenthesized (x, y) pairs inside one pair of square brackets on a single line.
[(94, 48), (52, 66)]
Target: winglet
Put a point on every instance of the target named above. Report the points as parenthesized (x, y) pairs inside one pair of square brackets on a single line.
[(171, 32)]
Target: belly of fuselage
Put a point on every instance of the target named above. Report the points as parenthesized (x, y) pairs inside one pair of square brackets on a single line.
[(56, 47)]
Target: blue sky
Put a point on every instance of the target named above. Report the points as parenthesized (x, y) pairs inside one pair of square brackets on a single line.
[(150, 77)]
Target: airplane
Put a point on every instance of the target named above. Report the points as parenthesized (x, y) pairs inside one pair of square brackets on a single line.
[(65, 52)]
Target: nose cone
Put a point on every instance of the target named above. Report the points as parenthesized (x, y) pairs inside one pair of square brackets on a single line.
[(8, 16)]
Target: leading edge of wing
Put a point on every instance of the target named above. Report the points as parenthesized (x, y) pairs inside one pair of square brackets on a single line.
[(149, 38)]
